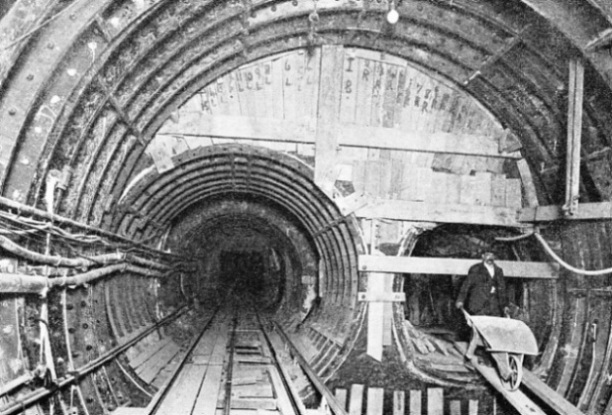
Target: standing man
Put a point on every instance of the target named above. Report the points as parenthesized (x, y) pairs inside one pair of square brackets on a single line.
[(484, 290)]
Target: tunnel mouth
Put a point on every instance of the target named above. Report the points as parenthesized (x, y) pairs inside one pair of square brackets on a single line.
[(242, 246), (257, 214)]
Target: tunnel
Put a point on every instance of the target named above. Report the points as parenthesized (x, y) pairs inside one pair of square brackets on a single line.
[(178, 175)]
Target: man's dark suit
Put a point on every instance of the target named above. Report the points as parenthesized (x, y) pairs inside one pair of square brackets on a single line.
[(477, 287)]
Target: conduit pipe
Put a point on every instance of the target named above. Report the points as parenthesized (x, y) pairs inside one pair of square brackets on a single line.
[(146, 262), (58, 261), (556, 257), (23, 208), (32, 284), (85, 262)]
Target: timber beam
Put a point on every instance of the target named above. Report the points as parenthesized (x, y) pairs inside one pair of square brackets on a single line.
[(585, 211), (439, 213), (348, 135), (453, 266)]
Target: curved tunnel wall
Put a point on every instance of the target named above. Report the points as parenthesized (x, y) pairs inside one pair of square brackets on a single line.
[(94, 108), (228, 171)]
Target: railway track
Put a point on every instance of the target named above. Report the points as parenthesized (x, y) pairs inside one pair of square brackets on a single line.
[(237, 365)]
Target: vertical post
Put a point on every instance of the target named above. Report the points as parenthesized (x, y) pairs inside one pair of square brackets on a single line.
[(328, 113), (574, 133), (416, 402)]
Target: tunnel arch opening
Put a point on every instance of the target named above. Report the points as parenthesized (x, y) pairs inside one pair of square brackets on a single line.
[(308, 250)]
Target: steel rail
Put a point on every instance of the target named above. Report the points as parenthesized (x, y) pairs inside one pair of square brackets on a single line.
[(227, 404), (77, 374), (314, 378), (296, 402), (163, 391)]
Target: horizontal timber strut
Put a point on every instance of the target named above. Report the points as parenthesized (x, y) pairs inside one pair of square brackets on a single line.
[(349, 135), (439, 213), (584, 211), (453, 266)]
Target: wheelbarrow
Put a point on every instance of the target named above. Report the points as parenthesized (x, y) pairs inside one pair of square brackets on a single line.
[(507, 341)]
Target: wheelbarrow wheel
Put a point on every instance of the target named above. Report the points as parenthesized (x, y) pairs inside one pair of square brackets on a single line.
[(516, 372)]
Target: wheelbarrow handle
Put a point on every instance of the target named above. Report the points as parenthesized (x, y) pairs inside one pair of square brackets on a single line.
[(468, 317)]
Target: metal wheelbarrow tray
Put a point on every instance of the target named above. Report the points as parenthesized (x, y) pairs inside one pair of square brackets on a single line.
[(507, 341)]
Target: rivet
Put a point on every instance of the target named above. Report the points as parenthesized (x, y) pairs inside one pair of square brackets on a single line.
[(76, 354), (50, 45), (274, 8), (30, 77), (73, 16), (89, 399), (71, 329), (69, 306), (83, 303), (12, 111), (85, 325), (88, 347)]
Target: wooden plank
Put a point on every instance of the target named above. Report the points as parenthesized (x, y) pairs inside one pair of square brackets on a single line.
[(421, 141), (424, 176), (517, 399), (326, 136), (377, 293), (514, 193), (375, 401), (438, 212), (498, 190), (182, 396), (247, 127), (258, 404), (209, 392), (455, 407), (473, 407), (585, 211), (452, 266), (364, 90), (399, 402), (468, 186), (149, 352), (349, 89), (381, 297), (574, 133), (196, 124), (356, 400), (282, 397), (416, 403), (548, 395), (435, 401), (341, 397), (388, 312), (483, 189), (531, 195), (151, 370)]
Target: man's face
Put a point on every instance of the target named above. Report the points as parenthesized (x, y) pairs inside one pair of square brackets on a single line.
[(488, 258)]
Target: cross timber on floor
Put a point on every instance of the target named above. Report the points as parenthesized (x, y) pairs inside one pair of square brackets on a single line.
[(404, 402)]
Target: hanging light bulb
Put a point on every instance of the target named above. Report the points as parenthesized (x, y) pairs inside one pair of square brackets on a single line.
[(393, 15)]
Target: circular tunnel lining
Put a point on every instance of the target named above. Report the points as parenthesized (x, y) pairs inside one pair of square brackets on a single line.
[(247, 209)]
